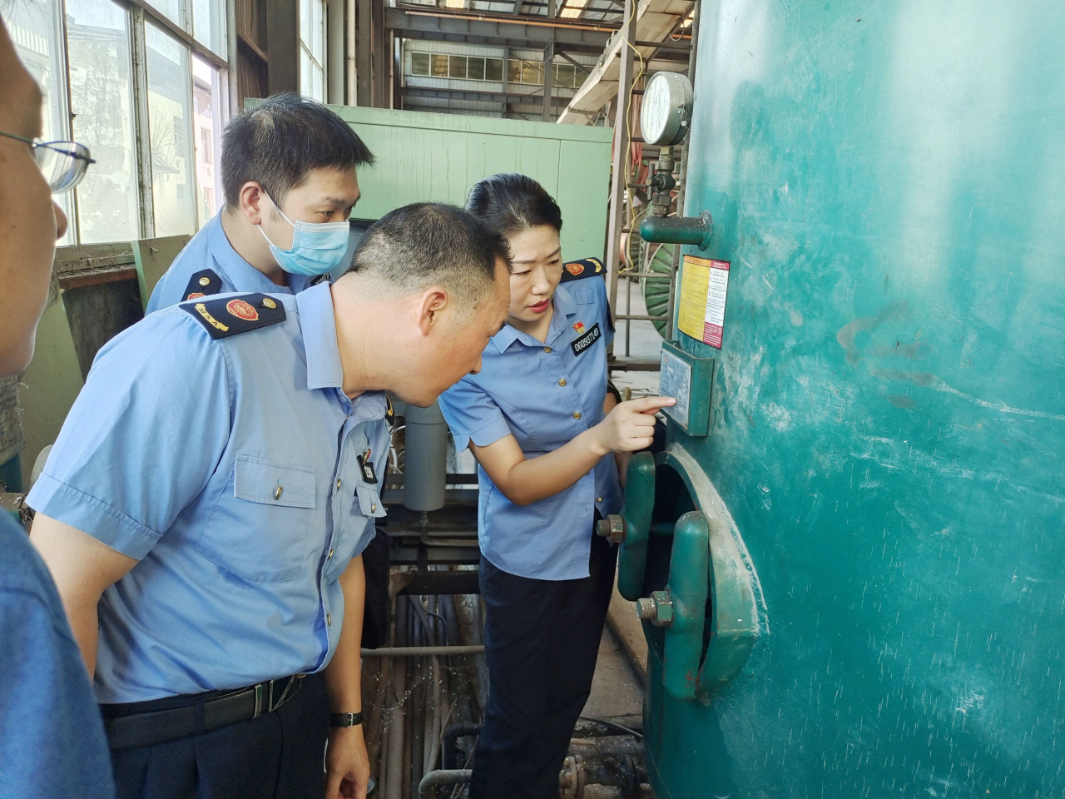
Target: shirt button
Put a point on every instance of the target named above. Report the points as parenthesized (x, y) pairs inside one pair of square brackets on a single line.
[(333, 550), (562, 382), (328, 620), (373, 507), (547, 349), (338, 483), (277, 493), (576, 414)]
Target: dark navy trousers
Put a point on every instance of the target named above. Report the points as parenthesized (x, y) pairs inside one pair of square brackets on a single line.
[(541, 643), (279, 755)]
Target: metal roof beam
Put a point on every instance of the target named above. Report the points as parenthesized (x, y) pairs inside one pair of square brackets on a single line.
[(484, 31), (443, 93)]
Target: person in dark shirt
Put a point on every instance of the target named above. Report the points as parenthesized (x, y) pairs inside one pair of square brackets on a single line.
[(51, 734)]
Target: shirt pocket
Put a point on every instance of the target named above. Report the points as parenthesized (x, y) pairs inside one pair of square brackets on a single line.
[(368, 501), (258, 530)]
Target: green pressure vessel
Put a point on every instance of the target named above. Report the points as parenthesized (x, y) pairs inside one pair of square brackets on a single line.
[(884, 474)]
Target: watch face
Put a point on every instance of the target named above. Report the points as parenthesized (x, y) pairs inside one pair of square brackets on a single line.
[(657, 107)]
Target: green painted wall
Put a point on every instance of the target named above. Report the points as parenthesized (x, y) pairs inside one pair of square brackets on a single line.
[(438, 157), (888, 429)]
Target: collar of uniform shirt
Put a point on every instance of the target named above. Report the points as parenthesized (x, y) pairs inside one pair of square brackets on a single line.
[(239, 271), (322, 353), (565, 307)]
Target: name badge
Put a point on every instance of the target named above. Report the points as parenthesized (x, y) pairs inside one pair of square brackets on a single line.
[(367, 469), (582, 343)]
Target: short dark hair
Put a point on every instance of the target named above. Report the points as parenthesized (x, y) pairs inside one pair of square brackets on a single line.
[(280, 140), (427, 244), (511, 202)]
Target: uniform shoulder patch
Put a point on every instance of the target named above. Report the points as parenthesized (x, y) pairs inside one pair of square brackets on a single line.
[(390, 412), (578, 270), (228, 316), (202, 284)]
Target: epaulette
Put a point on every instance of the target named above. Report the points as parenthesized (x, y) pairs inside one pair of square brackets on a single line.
[(577, 270), (390, 412), (227, 317), (202, 284)]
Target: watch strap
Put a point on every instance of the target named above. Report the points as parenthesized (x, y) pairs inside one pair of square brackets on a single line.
[(345, 719)]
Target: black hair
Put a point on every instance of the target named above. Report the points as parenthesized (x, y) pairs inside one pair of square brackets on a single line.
[(423, 244), (511, 202), (280, 140)]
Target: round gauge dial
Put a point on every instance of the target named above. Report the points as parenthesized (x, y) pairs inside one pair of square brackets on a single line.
[(666, 111)]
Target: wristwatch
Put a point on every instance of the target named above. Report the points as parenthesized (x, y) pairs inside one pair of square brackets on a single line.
[(345, 719)]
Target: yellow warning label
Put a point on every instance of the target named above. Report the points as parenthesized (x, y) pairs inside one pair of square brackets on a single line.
[(703, 289)]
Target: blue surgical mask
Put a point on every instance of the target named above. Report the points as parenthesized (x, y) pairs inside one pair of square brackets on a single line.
[(317, 248)]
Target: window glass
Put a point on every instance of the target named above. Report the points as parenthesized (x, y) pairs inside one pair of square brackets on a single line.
[(209, 24), (169, 129), (101, 92), (456, 66), (493, 69), (208, 98), (312, 49), (34, 29), (564, 74), (439, 66), (475, 69), (174, 10), (532, 72), (513, 71), (305, 73), (419, 63)]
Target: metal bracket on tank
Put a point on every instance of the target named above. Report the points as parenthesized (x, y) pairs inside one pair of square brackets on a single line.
[(632, 527), (681, 607)]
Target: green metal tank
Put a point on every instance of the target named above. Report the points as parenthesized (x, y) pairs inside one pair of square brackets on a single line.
[(882, 487)]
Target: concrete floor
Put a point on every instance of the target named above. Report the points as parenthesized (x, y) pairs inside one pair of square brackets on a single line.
[(615, 690)]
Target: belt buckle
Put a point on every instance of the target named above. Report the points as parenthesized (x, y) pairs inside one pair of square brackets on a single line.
[(266, 690)]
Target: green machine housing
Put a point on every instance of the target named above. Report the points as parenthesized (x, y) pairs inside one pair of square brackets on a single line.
[(853, 584)]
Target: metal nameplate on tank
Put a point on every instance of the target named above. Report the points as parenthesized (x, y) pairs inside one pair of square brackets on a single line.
[(689, 380)]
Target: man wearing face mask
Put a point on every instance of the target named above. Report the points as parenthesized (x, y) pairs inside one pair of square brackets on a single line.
[(289, 177)]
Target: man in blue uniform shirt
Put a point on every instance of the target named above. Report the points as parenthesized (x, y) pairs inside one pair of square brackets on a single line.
[(289, 178), (204, 509), (51, 738)]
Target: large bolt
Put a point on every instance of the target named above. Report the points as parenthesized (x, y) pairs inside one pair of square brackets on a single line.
[(612, 528), (657, 609)]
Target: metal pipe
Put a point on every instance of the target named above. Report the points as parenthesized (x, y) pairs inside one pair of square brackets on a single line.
[(420, 651), (695, 230), (349, 47), (425, 472), (451, 737), (434, 779)]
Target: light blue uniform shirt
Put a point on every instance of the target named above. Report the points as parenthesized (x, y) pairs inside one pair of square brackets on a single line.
[(210, 249), (229, 469), (545, 394)]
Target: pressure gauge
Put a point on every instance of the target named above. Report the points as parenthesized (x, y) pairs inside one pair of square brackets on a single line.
[(667, 108)]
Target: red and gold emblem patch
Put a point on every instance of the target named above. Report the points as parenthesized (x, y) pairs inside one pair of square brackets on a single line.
[(195, 295), (575, 269), (242, 310), (579, 327)]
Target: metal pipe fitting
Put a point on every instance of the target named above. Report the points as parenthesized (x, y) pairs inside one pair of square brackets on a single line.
[(691, 230)]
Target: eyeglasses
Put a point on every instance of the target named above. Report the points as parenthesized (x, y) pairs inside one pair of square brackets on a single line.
[(63, 163)]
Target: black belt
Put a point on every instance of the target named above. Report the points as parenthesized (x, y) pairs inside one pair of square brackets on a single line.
[(149, 727)]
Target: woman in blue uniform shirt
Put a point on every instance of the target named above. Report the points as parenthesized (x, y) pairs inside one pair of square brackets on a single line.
[(536, 420)]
